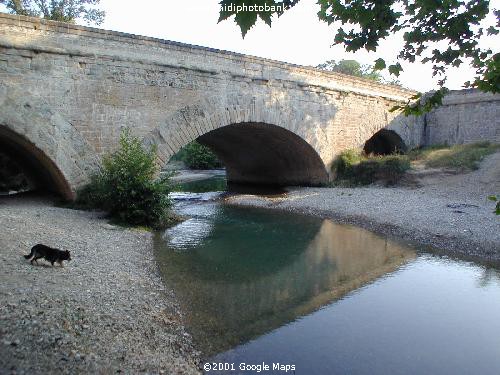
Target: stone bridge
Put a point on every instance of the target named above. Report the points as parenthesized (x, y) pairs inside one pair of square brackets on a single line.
[(67, 91)]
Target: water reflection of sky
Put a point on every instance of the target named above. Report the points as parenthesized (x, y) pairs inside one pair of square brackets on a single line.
[(430, 317), (199, 209), (188, 234)]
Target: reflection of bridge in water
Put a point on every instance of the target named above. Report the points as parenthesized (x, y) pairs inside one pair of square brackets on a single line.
[(228, 307)]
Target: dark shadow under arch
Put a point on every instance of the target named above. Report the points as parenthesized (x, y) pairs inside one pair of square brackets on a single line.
[(263, 154), (385, 142), (38, 167)]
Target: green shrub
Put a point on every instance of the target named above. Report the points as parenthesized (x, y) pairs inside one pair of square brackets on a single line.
[(343, 164), (126, 187), (198, 156), (353, 168)]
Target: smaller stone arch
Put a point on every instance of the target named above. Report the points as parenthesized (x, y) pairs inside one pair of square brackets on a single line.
[(385, 142), (44, 142), (40, 171)]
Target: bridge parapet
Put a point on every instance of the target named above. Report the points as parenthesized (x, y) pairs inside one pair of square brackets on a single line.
[(40, 35)]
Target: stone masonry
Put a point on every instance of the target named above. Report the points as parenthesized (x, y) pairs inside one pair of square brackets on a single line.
[(67, 91)]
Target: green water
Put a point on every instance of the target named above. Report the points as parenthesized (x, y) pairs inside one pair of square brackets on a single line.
[(217, 183), (260, 286)]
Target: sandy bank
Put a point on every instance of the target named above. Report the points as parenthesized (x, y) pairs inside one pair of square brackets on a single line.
[(106, 311)]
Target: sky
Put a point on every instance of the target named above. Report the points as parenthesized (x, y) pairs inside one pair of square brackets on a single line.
[(296, 37)]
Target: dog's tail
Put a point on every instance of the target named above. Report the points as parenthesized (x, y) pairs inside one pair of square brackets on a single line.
[(30, 254)]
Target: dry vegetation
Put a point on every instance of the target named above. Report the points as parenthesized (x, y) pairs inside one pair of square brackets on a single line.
[(354, 168), (459, 157)]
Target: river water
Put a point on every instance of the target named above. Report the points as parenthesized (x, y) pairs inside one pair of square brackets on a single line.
[(262, 288)]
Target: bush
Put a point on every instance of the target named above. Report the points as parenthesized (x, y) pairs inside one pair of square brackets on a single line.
[(353, 168), (198, 156), (342, 166), (126, 187)]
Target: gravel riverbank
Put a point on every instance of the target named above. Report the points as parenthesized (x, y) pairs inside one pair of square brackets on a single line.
[(449, 212), (107, 311)]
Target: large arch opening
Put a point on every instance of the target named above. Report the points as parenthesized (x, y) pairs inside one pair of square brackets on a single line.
[(263, 154), (385, 142), (24, 167)]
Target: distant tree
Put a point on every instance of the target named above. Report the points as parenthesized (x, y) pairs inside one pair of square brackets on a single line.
[(352, 68), (441, 32), (198, 156), (58, 10)]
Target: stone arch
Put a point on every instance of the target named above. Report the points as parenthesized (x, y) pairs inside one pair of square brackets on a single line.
[(40, 170), (247, 124), (385, 142), (264, 154), (45, 142)]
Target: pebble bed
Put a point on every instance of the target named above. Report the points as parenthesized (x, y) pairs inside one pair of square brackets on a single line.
[(106, 311)]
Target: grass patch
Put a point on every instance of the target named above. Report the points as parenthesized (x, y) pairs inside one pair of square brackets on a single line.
[(353, 168), (459, 157)]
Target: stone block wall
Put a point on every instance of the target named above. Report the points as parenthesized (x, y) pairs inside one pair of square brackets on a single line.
[(71, 89), (466, 116), (171, 93)]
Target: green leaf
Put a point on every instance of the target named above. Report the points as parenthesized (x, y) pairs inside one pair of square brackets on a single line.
[(247, 12), (379, 64), (395, 69), (246, 20), (492, 30)]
